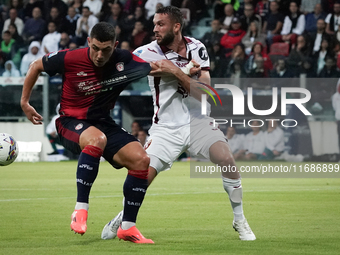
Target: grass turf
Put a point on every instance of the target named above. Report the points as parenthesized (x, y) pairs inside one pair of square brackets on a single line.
[(182, 215)]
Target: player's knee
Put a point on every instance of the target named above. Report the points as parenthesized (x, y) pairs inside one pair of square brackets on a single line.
[(98, 141), (142, 162)]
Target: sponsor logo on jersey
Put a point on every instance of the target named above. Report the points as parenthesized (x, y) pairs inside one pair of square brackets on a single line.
[(138, 53), (203, 53), (52, 54), (120, 66), (79, 126), (82, 73)]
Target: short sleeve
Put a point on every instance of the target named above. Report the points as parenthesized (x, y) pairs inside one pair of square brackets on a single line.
[(54, 62)]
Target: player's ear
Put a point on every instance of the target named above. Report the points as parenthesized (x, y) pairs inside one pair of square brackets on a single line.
[(88, 40), (177, 27)]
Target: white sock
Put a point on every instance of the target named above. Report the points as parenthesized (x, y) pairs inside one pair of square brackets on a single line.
[(80, 205), (229, 185), (127, 224)]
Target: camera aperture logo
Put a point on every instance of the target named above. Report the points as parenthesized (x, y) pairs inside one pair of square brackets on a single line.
[(238, 103)]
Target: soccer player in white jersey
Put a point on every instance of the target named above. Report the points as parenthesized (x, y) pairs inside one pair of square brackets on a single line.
[(170, 132)]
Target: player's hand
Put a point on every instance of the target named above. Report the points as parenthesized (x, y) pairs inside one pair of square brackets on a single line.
[(196, 69), (32, 114), (163, 67)]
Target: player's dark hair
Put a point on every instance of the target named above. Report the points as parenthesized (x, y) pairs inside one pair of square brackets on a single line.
[(174, 13), (103, 32)]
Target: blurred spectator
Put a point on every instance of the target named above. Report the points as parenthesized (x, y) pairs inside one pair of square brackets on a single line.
[(336, 107), (298, 54), (125, 45), (308, 6), (118, 18), (73, 46), (77, 5), (85, 24), (273, 22), (59, 4), (33, 54), (142, 137), (13, 18), (293, 25), (64, 41), (330, 69), (35, 27), (50, 41), (19, 6), (240, 10), (6, 45), (253, 35), (215, 35), (312, 19), (227, 18), (258, 50), (236, 62), (94, 5), (197, 8), (28, 9), (10, 70), (19, 41), (71, 21), (280, 70), (130, 6), (254, 143), (135, 128), (220, 7), (307, 68), (274, 141), (249, 16), (319, 57), (106, 8), (56, 17), (139, 36), (258, 70), (262, 8), (150, 25), (218, 61), (235, 141), (333, 20), (233, 36), (150, 6), (316, 38), (139, 15)]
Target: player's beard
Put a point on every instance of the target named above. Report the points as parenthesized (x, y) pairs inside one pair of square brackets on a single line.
[(167, 39)]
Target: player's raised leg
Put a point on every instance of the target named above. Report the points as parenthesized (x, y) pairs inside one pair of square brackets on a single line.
[(92, 142), (221, 154), (135, 159), (111, 228)]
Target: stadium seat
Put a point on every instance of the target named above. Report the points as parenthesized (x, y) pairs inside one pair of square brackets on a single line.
[(279, 49)]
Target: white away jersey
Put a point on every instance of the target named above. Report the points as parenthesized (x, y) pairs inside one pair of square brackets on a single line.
[(171, 101)]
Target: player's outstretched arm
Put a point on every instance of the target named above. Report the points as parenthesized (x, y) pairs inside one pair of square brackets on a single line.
[(31, 77), (191, 85)]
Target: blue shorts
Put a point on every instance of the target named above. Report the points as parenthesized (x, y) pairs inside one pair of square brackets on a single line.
[(69, 130)]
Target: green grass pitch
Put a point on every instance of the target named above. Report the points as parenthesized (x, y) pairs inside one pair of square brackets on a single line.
[(182, 215)]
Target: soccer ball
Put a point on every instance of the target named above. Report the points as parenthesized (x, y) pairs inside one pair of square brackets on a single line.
[(8, 149)]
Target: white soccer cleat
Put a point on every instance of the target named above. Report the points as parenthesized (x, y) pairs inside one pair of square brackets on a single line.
[(244, 231), (110, 229)]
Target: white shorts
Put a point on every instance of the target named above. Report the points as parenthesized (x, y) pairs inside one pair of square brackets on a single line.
[(165, 144)]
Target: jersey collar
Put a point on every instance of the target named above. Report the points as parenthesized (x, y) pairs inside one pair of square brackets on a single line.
[(189, 44)]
